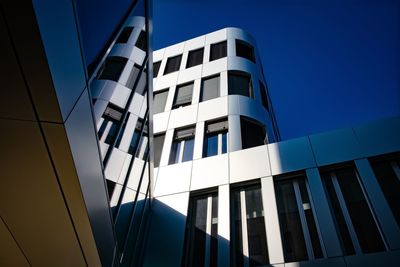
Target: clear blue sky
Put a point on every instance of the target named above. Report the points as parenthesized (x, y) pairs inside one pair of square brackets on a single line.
[(328, 63)]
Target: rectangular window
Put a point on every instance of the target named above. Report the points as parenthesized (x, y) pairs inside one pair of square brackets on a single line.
[(158, 146), (135, 137), (264, 98), (218, 50), (156, 68), (182, 145), (141, 42), (124, 35), (387, 173), (249, 243), (195, 57), (300, 236), (215, 138), (110, 187), (160, 99), (173, 64), (356, 224), (245, 50), (112, 68), (210, 88), (183, 95), (133, 76), (253, 134), (111, 120), (201, 244), (239, 83)]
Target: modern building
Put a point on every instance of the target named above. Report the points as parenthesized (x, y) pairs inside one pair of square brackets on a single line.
[(73, 77), (85, 182), (228, 192)]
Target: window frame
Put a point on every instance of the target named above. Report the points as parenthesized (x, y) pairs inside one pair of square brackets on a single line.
[(244, 74), (181, 145), (177, 88), (202, 86), (220, 135), (245, 45), (166, 99), (169, 59), (191, 53), (213, 46)]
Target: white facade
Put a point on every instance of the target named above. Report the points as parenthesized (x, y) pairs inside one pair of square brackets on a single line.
[(264, 165)]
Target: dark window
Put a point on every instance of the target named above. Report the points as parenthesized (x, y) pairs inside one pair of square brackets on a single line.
[(173, 64), (215, 138), (160, 98), (135, 138), (210, 88), (183, 95), (248, 224), (245, 50), (253, 134), (110, 187), (112, 116), (357, 227), (195, 57), (133, 76), (202, 231), (297, 221), (264, 98), (388, 175), (142, 84), (182, 146), (158, 146), (218, 50), (124, 35), (112, 68), (239, 83), (142, 41), (156, 68)]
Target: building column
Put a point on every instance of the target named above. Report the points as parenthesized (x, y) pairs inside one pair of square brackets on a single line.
[(324, 217), (272, 229), (384, 215), (223, 226)]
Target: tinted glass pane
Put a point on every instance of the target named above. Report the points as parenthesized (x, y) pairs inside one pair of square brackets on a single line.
[(291, 229), (112, 68), (264, 98), (125, 34), (158, 146), (361, 216), (390, 185), (188, 150), (345, 238), (160, 98), (211, 145), (111, 134), (156, 68), (174, 155), (133, 76), (244, 50), (141, 86), (236, 230), (134, 143), (258, 251), (110, 187), (195, 58), (214, 232), (224, 142), (183, 95), (252, 134), (142, 41), (239, 84), (218, 51), (209, 88), (103, 128), (173, 64), (312, 227)]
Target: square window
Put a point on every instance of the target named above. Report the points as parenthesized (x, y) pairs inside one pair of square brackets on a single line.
[(210, 88), (183, 95), (218, 50), (245, 50), (239, 83), (173, 64), (124, 35), (195, 57)]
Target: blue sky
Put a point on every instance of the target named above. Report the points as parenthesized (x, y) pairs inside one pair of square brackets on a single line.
[(328, 63)]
